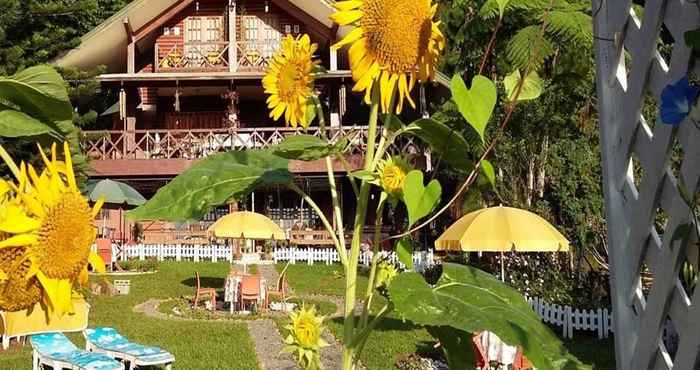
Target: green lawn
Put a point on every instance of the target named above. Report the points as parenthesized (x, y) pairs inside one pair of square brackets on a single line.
[(196, 345)]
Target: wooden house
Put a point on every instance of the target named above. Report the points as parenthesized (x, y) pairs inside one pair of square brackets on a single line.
[(188, 76)]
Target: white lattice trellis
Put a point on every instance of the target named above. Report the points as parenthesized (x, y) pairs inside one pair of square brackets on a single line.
[(641, 168)]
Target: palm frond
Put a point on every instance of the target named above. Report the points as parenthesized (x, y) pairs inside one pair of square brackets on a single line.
[(490, 8), (522, 48), (574, 28)]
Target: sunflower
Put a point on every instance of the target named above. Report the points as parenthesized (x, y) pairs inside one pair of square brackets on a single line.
[(393, 41), (290, 80), (304, 338), (392, 174), (46, 233)]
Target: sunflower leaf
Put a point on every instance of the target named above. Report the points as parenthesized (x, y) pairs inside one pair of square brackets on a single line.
[(447, 143), (489, 172), (404, 250), (308, 148), (420, 199), (476, 104), (39, 92), (470, 300), (211, 182), (532, 86), (18, 124)]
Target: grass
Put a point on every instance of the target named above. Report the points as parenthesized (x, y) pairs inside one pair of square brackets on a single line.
[(195, 344), (588, 348)]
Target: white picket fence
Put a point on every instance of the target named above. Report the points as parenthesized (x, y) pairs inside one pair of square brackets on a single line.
[(219, 253), (421, 260), (569, 319)]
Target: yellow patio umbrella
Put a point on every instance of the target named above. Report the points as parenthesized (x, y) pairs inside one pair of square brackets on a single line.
[(502, 229), (246, 225)]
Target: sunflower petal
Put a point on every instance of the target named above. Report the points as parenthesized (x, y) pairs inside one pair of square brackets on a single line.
[(347, 5), (19, 241), (344, 18), (96, 262), (70, 175), (351, 37)]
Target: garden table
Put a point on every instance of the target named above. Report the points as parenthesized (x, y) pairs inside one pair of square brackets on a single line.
[(231, 290)]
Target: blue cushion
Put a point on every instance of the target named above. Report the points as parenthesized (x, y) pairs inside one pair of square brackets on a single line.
[(110, 340), (57, 346)]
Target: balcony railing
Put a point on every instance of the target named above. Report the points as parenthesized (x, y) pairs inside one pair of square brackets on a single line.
[(199, 143), (255, 55), (208, 56), (213, 56)]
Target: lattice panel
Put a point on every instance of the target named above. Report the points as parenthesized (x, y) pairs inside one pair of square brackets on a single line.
[(638, 53)]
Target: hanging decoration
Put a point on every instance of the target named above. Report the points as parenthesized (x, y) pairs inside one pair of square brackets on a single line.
[(177, 98), (122, 104)]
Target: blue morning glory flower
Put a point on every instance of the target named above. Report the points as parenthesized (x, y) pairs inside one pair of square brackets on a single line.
[(677, 100)]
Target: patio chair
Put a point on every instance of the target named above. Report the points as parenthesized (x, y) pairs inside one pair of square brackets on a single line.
[(253, 291), (203, 292), (109, 342), (56, 351)]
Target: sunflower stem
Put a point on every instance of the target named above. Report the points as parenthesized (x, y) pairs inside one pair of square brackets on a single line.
[(337, 212), (360, 216), (375, 259)]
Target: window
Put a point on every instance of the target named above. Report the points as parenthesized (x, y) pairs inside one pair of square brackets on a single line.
[(166, 31), (287, 28), (202, 38), (296, 28)]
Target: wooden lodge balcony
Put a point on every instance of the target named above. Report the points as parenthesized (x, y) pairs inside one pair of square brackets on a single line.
[(249, 56), (132, 151)]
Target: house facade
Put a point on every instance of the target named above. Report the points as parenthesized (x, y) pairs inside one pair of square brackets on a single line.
[(188, 79)]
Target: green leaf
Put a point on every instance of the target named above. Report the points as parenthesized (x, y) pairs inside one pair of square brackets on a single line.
[(212, 182), (364, 175), (404, 250), (502, 6), (683, 191), (682, 233), (310, 112), (308, 148), (532, 86), (448, 144), (17, 124), (489, 172), (420, 200), (475, 104), (39, 92), (470, 300), (692, 39)]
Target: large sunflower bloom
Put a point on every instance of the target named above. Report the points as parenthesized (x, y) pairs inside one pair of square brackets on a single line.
[(290, 80), (46, 233), (393, 41)]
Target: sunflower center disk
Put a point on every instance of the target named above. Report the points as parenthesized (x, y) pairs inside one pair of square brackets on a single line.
[(17, 293), (390, 28), (291, 82), (65, 237)]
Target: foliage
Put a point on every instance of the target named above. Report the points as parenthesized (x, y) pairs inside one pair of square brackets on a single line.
[(308, 148), (147, 265), (35, 32)]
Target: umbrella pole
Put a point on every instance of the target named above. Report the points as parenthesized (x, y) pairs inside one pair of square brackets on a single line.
[(503, 269)]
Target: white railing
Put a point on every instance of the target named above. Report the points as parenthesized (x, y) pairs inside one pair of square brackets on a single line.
[(310, 256), (570, 319)]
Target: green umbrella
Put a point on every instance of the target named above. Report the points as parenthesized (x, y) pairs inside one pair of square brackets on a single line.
[(115, 193)]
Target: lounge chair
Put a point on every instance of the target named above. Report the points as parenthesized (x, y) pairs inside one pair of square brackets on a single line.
[(109, 342), (57, 351)]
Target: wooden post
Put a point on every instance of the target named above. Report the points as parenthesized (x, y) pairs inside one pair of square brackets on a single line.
[(131, 47), (334, 59), (232, 37)]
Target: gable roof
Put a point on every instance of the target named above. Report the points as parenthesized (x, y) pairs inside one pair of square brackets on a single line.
[(107, 43)]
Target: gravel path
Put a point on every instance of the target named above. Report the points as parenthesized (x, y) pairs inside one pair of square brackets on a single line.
[(269, 345)]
